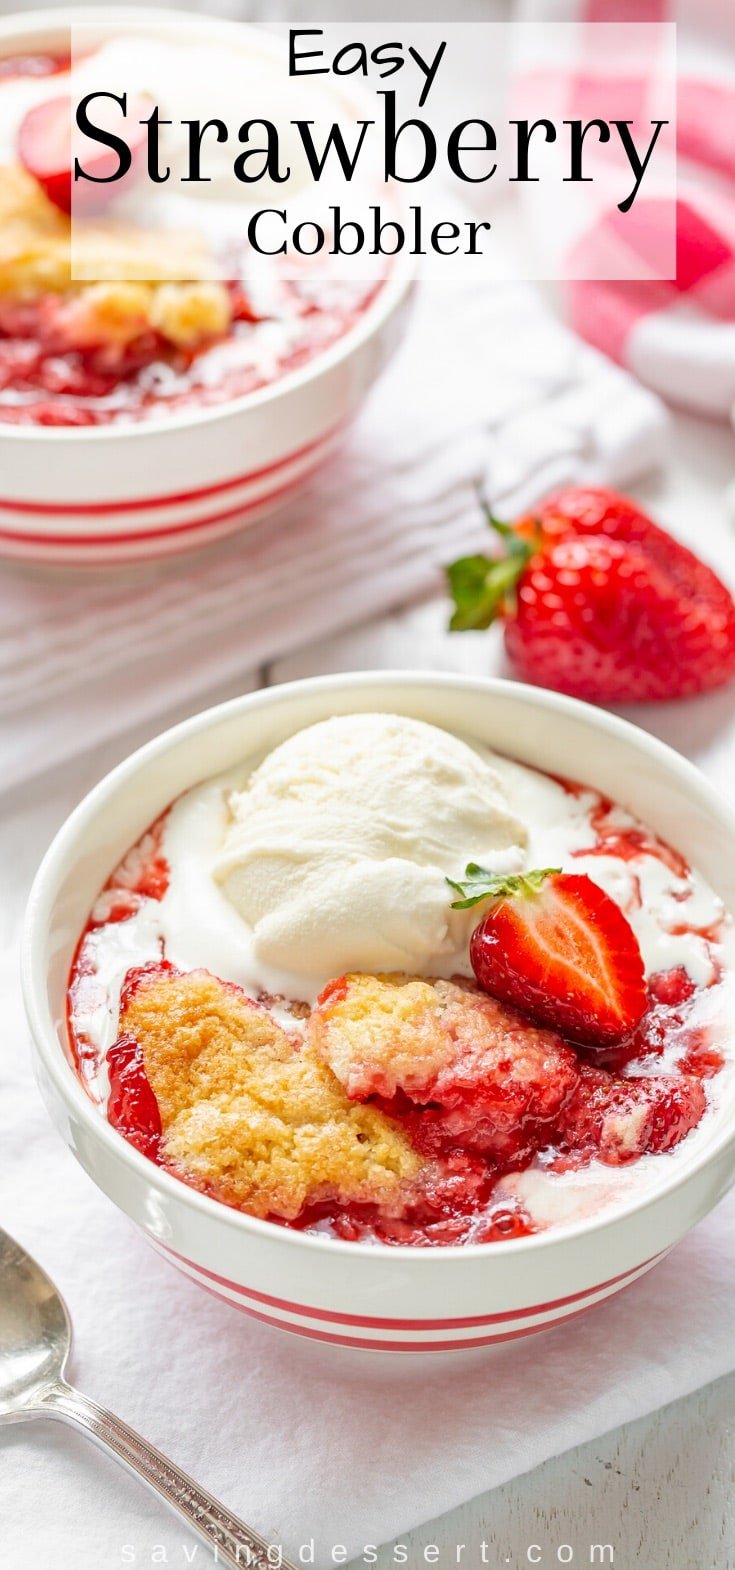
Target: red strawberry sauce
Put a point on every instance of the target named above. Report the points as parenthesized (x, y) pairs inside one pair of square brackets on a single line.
[(41, 384), (628, 843), (640, 1098)]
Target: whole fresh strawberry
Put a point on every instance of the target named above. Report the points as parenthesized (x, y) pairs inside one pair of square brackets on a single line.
[(558, 948), (600, 602)]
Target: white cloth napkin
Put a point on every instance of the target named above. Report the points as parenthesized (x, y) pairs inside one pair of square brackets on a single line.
[(489, 385)]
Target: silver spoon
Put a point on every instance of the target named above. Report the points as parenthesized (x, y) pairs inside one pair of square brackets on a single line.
[(35, 1340)]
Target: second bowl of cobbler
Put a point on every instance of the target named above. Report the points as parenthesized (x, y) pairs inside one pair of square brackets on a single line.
[(162, 383)]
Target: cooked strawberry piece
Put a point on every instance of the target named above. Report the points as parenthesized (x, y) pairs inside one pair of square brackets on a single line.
[(132, 1107), (505, 1103), (701, 1058), (484, 1077), (33, 65), (672, 987), (504, 1091), (620, 1120), (455, 1189), (599, 601), (454, 1205), (557, 947), (44, 148)]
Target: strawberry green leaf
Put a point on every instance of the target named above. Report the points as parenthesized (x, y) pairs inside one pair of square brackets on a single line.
[(480, 586), (478, 884), (517, 543), (483, 587)]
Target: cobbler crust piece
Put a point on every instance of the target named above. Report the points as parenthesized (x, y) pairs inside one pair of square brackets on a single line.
[(249, 1114), (498, 1080), (130, 291)]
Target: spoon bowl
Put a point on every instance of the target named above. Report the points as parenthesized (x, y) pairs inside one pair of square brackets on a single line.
[(35, 1333)]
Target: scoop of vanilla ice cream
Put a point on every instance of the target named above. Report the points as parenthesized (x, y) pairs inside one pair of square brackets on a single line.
[(340, 844)]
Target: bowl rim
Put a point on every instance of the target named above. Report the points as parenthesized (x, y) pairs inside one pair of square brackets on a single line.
[(391, 292), (70, 1088)]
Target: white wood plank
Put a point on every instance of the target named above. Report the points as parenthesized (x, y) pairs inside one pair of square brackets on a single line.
[(658, 1491)]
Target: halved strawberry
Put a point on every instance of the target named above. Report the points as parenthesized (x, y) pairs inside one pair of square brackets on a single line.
[(600, 602), (47, 149), (557, 947)]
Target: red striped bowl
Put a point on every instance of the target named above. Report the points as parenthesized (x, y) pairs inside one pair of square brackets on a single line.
[(138, 490), (407, 1300)]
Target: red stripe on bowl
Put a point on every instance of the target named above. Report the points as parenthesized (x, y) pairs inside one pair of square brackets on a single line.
[(67, 509), (102, 541), (364, 1343), (371, 1323)]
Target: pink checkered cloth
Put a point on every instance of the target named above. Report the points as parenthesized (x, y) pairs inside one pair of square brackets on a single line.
[(679, 336)]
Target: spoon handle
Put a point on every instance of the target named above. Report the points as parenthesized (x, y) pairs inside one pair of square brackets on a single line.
[(229, 1539)]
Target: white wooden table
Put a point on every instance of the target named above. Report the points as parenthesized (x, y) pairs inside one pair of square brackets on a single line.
[(658, 1492)]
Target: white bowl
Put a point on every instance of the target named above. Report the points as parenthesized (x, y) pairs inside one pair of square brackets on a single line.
[(138, 490), (381, 1298)]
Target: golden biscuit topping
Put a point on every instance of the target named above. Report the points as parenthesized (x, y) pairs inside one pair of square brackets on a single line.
[(382, 1034), (248, 1113), (117, 278)]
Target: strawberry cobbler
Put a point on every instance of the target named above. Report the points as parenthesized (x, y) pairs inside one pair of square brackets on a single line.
[(388, 986)]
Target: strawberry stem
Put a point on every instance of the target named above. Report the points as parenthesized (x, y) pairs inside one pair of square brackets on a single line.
[(478, 884), (483, 587)]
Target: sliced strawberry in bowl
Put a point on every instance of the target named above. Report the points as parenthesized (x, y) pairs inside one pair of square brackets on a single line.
[(557, 947), (48, 146), (44, 148)]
